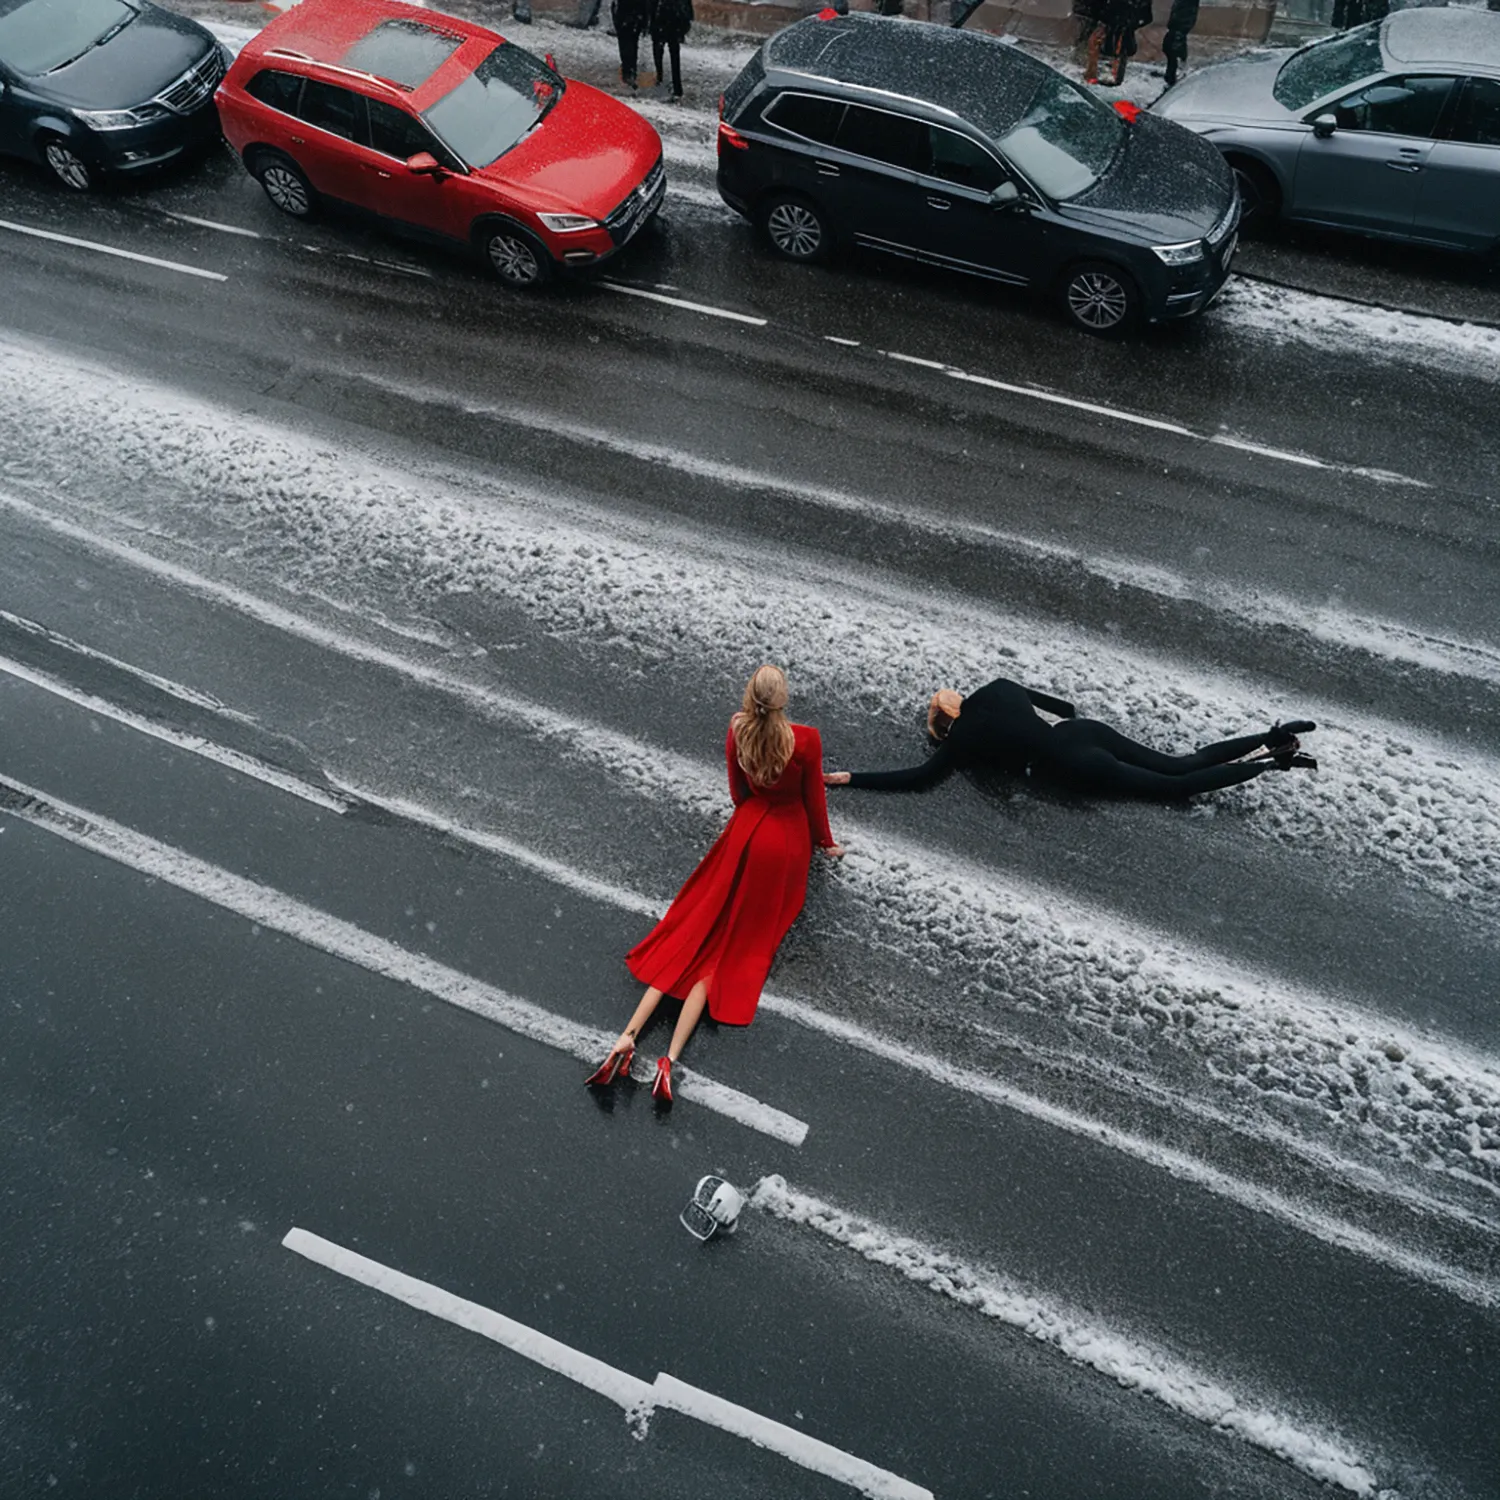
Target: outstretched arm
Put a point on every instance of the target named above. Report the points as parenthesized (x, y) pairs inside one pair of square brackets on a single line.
[(739, 783), (1050, 705), (814, 802), (929, 773)]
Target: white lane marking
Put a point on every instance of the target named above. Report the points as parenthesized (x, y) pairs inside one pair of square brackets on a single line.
[(1033, 394), (698, 307), (829, 338), (1134, 1364), (148, 260), (1118, 414), (912, 359), (1244, 446), (1480, 1291), (494, 843), (822, 1458), (634, 1395), (194, 744), (162, 684), (627, 1391), (365, 260), (249, 234), (282, 913)]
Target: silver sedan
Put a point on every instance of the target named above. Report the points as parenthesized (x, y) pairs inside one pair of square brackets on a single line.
[(1392, 129)]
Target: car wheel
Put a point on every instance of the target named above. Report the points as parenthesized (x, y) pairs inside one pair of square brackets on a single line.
[(65, 164), (1101, 299), (796, 229), (1260, 198), (286, 186), (517, 258)]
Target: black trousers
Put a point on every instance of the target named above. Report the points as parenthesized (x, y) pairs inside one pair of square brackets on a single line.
[(1086, 756), (630, 54), (674, 49)]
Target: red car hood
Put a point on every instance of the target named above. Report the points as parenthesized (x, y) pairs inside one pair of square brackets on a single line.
[(584, 158)]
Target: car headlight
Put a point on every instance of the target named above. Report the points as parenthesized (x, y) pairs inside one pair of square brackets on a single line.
[(568, 223), (1180, 255), (122, 119)]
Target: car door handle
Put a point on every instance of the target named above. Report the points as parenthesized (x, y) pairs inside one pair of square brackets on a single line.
[(940, 203), (378, 171), (827, 169), (1404, 166)]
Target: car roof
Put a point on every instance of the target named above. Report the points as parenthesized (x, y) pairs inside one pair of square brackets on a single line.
[(1466, 39), (324, 32), (967, 73)]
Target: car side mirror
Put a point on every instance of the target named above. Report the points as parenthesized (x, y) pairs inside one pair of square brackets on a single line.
[(1324, 126), (1007, 195), (424, 164)]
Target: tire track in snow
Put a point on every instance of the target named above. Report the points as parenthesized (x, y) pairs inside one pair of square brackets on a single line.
[(315, 514), (1134, 1364), (1420, 1099), (670, 593)]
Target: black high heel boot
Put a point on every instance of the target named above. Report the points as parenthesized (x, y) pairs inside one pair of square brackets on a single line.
[(1291, 760)]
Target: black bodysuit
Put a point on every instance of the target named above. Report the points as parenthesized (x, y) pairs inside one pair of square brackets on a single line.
[(999, 730)]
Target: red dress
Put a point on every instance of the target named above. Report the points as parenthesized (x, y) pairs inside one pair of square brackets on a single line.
[(730, 917)]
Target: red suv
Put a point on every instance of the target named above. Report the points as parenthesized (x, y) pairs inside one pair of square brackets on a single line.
[(444, 127)]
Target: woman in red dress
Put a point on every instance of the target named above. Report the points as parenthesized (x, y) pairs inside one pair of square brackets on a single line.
[(715, 945)]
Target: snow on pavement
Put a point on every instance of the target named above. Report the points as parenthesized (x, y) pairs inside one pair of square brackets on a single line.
[(333, 522)]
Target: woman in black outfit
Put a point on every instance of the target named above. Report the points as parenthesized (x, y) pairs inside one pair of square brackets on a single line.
[(998, 728)]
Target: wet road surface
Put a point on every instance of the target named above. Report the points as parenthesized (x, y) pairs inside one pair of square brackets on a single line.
[(368, 636)]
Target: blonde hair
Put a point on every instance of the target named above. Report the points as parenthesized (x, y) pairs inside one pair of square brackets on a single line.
[(763, 739), (942, 709)]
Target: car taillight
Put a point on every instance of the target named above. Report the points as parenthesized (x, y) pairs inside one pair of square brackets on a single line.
[(729, 136)]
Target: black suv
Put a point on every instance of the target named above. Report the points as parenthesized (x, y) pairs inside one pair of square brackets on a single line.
[(958, 148)]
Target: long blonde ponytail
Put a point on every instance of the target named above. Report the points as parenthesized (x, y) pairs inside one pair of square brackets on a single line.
[(763, 738)]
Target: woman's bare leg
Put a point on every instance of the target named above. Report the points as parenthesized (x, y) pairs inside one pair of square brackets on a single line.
[(643, 1013), (687, 1022)]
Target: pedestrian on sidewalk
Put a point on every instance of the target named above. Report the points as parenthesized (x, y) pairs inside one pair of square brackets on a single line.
[(671, 20), (631, 18), (1113, 37), (715, 945), (1174, 45), (520, 10)]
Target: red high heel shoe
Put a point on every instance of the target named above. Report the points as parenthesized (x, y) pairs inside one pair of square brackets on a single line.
[(616, 1063), (661, 1088)]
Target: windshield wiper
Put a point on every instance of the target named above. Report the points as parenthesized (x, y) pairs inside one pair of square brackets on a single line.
[(98, 41)]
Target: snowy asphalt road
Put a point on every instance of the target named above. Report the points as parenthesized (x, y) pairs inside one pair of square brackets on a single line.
[(1205, 1101)]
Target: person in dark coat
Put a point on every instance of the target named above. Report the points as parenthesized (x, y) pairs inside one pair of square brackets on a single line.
[(1113, 36), (1347, 13), (1183, 18), (631, 18), (671, 20)]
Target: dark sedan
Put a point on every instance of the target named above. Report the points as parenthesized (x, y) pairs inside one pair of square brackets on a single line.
[(90, 88), (957, 148)]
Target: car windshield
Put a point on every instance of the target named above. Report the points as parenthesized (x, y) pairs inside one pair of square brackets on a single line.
[(1335, 63), (507, 94), (1066, 139), (40, 36)]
